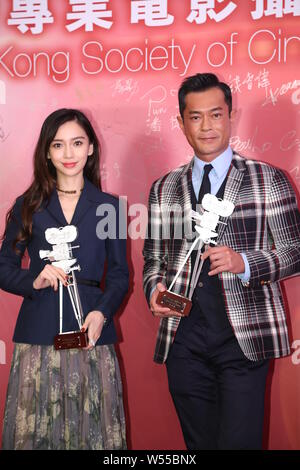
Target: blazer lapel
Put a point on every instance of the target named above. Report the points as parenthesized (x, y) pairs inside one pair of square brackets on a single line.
[(82, 207), (183, 197), (84, 203), (55, 210), (232, 188)]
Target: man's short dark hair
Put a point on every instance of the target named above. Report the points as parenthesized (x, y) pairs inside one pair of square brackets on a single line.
[(202, 82)]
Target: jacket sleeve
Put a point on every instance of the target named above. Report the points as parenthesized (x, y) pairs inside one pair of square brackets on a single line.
[(283, 228), (155, 250), (13, 278), (117, 275)]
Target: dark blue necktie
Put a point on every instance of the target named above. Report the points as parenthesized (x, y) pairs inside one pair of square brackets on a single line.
[(205, 185)]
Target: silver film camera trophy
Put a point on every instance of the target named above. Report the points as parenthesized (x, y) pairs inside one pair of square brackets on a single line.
[(61, 256), (205, 226)]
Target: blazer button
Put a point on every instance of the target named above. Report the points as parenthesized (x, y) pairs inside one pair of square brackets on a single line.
[(200, 284)]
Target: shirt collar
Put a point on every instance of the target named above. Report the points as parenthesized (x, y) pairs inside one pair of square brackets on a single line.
[(220, 164)]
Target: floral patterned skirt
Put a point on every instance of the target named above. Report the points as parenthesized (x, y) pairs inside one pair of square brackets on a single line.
[(70, 399)]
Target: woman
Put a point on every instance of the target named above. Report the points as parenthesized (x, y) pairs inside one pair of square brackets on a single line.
[(72, 398)]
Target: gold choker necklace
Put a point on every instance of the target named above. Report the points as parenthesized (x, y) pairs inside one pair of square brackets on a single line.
[(68, 192)]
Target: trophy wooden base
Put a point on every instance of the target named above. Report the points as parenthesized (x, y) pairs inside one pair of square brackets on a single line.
[(70, 340), (175, 302)]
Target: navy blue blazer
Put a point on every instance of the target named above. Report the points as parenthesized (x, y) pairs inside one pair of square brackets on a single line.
[(38, 319)]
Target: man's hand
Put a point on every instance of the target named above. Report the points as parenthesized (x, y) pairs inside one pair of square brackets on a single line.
[(224, 259), (157, 309)]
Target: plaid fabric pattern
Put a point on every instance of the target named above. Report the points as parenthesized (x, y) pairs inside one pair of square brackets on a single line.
[(265, 225)]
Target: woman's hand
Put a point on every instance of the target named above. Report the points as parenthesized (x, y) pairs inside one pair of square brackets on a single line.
[(50, 277), (93, 324)]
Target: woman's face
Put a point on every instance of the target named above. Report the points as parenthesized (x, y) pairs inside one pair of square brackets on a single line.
[(70, 149)]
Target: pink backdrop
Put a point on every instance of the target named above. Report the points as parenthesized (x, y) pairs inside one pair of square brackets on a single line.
[(123, 67)]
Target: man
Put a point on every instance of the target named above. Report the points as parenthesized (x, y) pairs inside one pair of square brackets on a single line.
[(218, 357)]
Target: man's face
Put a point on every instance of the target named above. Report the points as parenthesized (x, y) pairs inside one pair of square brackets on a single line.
[(206, 123)]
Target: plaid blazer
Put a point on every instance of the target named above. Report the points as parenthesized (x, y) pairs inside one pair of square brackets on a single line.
[(265, 225)]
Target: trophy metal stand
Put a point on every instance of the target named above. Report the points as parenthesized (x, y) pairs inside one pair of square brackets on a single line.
[(61, 256), (206, 223)]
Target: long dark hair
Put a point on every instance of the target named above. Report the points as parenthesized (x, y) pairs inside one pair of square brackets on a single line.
[(44, 177)]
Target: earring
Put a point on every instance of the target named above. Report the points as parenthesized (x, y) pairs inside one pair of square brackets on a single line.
[(48, 156)]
